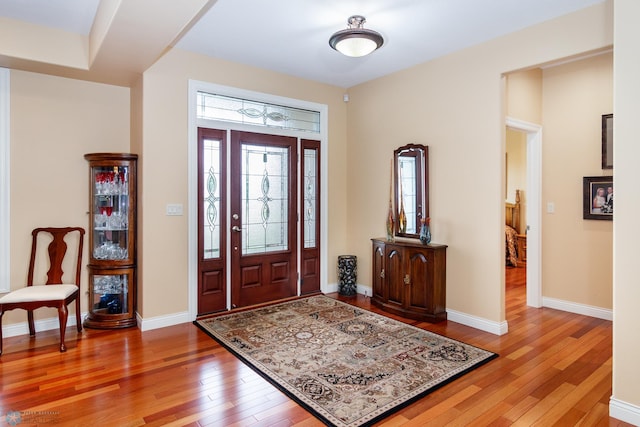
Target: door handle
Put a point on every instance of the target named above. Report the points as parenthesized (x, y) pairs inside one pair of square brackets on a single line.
[(236, 228)]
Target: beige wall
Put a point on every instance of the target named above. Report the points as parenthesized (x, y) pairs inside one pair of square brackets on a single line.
[(455, 105), (164, 164), (626, 155), (576, 254), (54, 122), (524, 95)]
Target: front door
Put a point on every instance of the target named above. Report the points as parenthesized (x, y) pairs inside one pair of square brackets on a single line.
[(263, 218)]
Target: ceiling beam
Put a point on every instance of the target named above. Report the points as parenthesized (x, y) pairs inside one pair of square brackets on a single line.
[(126, 38)]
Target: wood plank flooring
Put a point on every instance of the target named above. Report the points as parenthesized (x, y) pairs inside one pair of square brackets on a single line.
[(554, 369)]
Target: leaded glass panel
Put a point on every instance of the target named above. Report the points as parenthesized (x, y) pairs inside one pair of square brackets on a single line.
[(211, 192), (310, 176), (257, 113), (265, 199)]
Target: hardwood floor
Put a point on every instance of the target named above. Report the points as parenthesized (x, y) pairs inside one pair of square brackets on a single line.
[(554, 369)]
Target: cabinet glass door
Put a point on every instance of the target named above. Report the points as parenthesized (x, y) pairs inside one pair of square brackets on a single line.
[(111, 293), (111, 213), (111, 298)]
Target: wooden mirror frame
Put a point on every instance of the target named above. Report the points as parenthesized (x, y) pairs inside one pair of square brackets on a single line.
[(420, 153)]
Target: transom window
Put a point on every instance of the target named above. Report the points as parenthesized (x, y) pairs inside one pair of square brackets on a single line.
[(229, 109)]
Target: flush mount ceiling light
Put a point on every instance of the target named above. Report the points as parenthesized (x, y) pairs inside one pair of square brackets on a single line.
[(356, 41)]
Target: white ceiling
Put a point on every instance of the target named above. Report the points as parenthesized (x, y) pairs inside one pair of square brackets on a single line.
[(75, 16), (291, 36)]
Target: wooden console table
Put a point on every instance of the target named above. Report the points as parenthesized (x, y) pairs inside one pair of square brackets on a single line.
[(409, 279)]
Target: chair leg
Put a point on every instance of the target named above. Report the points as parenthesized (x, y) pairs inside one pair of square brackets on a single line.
[(62, 315), (32, 327), (78, 321)]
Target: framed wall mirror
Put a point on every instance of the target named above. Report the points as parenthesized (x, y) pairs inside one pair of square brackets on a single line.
[(411, 184)]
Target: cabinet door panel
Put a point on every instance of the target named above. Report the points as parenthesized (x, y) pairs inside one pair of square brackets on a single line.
[(420, 268), (379, 273), (395, 275)]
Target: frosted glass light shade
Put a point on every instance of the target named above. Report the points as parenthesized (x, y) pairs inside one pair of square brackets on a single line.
[(356, 46), (356, 41)]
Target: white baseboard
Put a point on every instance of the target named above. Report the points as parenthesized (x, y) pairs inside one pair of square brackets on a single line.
[(501, 328), (157, 322), (330, 288), (365, 290), (360, 289), (572, 307), (496, 328), (624, 411), (48, 324), (147, 324), (51, 323)]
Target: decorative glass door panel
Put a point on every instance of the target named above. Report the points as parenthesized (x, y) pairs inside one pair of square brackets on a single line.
[(110, 293), (211, 189), (265, 199), (310, 197), (111, 212)]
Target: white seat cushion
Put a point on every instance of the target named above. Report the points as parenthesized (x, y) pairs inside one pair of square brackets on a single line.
[(39, 293)]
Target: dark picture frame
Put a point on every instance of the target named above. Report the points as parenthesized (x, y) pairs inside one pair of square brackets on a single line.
[(597, 197), (607, 141)]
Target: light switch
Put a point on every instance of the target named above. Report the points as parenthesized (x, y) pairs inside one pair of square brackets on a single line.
[(174, 209)]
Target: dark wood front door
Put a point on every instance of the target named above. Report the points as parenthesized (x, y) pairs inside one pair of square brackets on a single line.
[(263, 218)]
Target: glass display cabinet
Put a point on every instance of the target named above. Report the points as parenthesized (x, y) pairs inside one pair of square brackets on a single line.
[(112, 240)]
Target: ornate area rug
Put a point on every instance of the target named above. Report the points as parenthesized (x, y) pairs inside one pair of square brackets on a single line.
[(347, 366)]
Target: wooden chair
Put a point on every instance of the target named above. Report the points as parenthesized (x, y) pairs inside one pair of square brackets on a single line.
[(54, 293)]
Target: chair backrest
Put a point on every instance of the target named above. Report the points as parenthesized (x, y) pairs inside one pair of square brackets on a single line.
[(57, 250)]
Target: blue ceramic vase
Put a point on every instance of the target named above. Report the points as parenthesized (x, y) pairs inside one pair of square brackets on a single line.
[(425, 234)]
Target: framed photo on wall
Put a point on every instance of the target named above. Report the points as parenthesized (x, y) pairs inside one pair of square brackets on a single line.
[(607, 141), (597, 197)]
